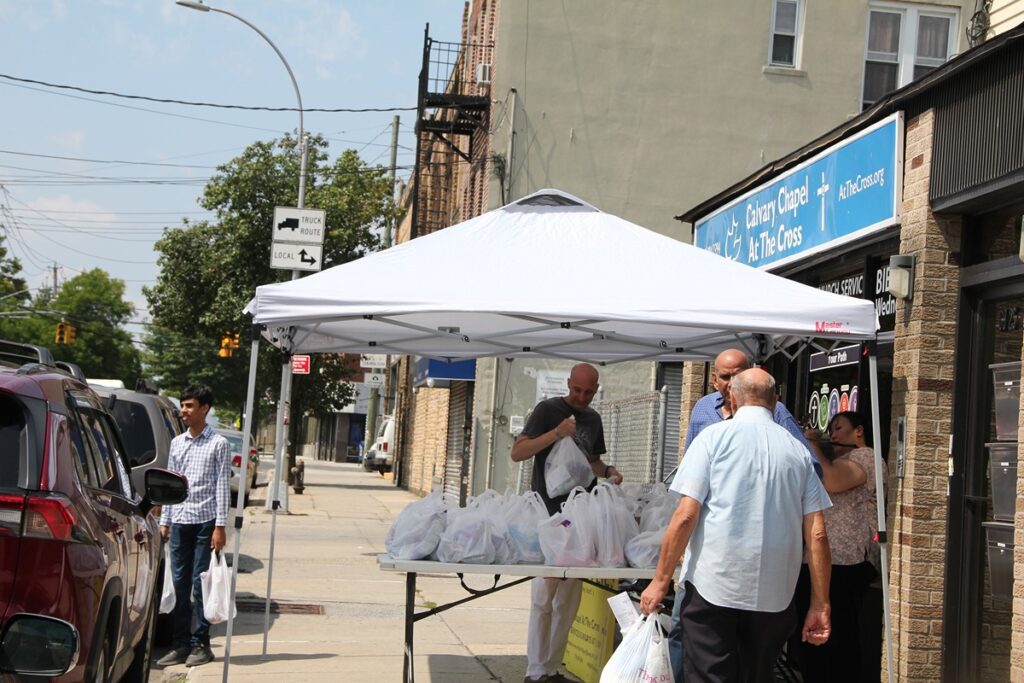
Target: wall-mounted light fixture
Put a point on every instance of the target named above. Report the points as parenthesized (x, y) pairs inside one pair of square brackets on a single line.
[(901, 276)]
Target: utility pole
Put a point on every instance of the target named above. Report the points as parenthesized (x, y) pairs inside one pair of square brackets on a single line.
[(55, 285), (374, 405)]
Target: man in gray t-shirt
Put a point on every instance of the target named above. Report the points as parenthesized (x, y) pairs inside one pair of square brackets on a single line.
[(553, 602)]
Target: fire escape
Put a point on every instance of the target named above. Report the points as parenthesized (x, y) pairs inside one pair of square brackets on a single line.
[(451, 125)]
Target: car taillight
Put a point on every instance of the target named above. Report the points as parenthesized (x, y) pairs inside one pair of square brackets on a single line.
[(10, 514), (49, 517), (236, 461), (385, 446)]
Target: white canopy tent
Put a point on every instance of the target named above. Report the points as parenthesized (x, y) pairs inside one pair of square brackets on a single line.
[(552, 276)]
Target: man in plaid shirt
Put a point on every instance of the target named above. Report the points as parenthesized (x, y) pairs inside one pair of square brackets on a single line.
[(195, 526)]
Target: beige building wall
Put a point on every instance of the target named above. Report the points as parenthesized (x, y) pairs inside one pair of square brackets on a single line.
[(1005, 14), (426, 451)]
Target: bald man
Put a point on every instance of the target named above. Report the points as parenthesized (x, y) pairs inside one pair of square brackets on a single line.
[(709, 410), (750, 503), (554, 602)]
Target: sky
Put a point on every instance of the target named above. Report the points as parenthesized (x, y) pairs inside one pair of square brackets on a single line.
[(69, 198)]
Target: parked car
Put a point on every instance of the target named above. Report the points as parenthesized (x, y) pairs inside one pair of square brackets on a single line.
[(235, 439), (381, 455), (148, 422), (77, 540)]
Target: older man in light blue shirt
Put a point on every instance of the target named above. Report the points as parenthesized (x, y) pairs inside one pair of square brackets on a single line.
[(750, 501)]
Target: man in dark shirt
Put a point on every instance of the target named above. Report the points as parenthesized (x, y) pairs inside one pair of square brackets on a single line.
[(553, 601)]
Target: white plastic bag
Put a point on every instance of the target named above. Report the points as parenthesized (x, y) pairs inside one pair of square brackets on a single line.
[(643, 550), (523, 516), (567, 537), (641, 657), (216, 582), (658, 513), (565, 468), (613, 524), (167, 596), (475, 534), (416, 531)]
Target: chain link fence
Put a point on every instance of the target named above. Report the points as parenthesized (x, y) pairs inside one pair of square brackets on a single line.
[(634, 435)]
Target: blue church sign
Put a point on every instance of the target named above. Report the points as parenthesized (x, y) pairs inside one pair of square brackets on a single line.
[(848, 191)]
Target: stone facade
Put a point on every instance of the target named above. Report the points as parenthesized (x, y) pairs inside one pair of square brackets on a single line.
[(923, 361), (693, 389)]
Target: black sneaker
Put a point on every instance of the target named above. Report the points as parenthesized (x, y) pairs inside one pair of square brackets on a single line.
[(175, 656), (201, 654)]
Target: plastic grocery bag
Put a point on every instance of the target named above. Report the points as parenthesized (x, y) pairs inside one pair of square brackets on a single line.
[(565, 468), (167, 596), (216, 582), (567, 537), (416, 531), (614, 525), (475, 534), (641, 657), (523, 516), (658, 513), (643, 550)]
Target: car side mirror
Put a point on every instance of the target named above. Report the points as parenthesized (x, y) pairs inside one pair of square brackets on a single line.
[(34, 645), (164, 487)]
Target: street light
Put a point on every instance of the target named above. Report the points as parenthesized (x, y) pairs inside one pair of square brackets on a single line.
[(286, 375), (302, 140)]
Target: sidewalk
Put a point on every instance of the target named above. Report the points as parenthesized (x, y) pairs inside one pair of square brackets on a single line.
[(343, 618)]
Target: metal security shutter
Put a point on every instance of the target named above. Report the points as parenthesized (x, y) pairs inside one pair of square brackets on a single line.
[(671, 375), (460, 397)]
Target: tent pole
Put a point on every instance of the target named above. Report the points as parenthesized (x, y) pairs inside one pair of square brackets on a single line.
[(279, 482), (883, 541), (243, 477)]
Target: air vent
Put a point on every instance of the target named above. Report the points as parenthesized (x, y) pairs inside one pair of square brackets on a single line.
[(483, 74), (547, 200)]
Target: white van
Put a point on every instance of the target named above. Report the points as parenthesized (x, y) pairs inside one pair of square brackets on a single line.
[(381, 454)]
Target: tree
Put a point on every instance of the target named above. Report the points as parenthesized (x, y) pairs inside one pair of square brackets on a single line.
[(13, 290), (94, 304), (210, 270)]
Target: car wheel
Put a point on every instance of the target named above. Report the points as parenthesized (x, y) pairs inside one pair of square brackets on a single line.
[(142, 657), (101, 670)]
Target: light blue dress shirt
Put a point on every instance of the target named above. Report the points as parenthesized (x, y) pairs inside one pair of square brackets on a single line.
[(755, 483)]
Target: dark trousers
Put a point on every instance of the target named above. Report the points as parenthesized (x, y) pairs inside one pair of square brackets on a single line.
[(190, 556), (839, 659), (726, 645)]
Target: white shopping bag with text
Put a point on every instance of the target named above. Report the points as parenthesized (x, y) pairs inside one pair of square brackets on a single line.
[(641, 657)]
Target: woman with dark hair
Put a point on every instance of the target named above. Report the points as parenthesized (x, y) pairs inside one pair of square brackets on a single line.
[(852, 524)]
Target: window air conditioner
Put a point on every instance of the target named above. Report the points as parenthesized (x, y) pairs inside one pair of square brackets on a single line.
[(483, 74)]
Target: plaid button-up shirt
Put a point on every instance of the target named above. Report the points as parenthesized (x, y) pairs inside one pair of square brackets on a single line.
[(205, 461)]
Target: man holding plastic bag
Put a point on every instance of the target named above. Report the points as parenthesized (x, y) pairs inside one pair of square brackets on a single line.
[(554, 602), (195, 527), (750, 501)]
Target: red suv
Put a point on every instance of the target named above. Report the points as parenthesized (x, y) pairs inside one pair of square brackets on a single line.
[(77, 541)]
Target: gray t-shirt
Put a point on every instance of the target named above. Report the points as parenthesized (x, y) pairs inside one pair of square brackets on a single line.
[(548, 414)]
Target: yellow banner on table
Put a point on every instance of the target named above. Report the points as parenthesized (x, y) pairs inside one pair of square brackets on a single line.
[(591, 638)]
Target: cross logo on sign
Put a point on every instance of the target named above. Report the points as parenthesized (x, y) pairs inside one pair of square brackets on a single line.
[(300, 365)]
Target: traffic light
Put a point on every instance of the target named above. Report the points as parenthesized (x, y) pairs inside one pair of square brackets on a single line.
[(58, 337), (225, 347), (69, 333)]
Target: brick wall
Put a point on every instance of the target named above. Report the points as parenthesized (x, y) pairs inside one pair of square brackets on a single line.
[(1017, 626), (693, 389), (922, 390), (429, 438)]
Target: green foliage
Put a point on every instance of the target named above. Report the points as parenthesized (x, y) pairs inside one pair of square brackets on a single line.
[(210, 270), (94, 304), (13, 290)]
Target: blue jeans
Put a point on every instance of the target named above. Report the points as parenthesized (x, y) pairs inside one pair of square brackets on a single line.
[(675, 635), (190, 556)]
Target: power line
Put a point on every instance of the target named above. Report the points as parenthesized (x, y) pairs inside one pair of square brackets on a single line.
[(161, 100), (103, 161)]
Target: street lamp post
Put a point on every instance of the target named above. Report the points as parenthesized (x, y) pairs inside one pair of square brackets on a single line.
[(279, 483)]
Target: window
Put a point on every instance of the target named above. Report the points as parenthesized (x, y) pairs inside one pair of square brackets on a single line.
[(137, 431), (785, 33), (14, 452), (904, 43)]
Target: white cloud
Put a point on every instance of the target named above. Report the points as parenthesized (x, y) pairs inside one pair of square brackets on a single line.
[(59, 208), (69, 139), (36, 16)]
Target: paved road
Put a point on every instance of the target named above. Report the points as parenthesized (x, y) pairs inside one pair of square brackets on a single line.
[(352, 629)]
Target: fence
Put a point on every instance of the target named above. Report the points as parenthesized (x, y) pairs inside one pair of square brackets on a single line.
[(634, 435)]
